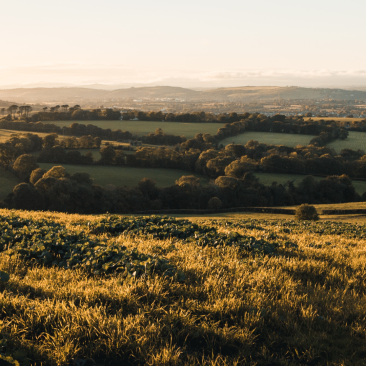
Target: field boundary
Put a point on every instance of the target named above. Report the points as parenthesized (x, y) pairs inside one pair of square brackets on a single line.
[(283, 211), (344, 212)]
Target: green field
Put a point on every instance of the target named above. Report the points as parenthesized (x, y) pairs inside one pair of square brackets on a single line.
[(145, 127), (268, 178), (7, 182), (354, 141), (269, 138), (126, 176)]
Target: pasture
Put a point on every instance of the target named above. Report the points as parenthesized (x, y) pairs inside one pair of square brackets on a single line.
[(268, 178), (5, 134), (7, 182), (126, 176), (278, 292), (269, 138), (355, 141), (140, 128)]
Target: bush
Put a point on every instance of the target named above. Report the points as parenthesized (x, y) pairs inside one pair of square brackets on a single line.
[(214, 203), (306, 212)]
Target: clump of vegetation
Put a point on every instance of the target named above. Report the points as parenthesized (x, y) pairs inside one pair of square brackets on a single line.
[(306, 212), (214, 203)]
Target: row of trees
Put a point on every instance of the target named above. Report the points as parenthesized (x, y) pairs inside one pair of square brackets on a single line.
[(57, 190), (325, 131)]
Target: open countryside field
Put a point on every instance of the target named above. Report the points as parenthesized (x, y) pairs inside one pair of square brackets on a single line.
[(268, 178), (7, 182), (145, 127), (272, 138), (277, 292), (5, 134), (354, 141), (126, 176)]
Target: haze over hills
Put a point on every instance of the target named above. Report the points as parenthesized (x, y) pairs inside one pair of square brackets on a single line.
[(238, 94)]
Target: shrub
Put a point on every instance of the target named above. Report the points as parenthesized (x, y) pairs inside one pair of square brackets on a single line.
[(306, 212), (214, 203)]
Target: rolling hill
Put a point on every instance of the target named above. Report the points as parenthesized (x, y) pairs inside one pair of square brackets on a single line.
[(239, 94)]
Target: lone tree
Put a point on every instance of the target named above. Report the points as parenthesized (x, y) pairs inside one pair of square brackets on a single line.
[(306, 212), (214, 203)]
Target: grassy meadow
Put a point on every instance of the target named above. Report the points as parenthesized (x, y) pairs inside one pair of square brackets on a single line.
[(5, 134), (126, 176), (295, 296), (268, 178), (355, 141), (145, 127), (271, 138)]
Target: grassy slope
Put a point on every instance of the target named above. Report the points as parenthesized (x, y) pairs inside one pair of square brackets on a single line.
[(269, 138), (7, 182), (354, 141), (145, 127), (305, 306), (268, 178), (126, 176)]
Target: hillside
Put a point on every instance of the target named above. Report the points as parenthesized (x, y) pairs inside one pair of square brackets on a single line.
[(240, 94), (111, 290)]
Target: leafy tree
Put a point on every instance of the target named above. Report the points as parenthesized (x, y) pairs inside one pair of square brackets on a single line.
[(148, 187), (26, 197), (82, 178), (50, 140), (214, 203), (57, 172), (107, 154), (306, 212), (36, 175), (24, 165), (188, 180)]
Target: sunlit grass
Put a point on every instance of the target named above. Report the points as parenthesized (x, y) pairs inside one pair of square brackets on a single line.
[(304, 305)]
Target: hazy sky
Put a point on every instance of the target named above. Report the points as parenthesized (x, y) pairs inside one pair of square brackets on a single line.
[(199, 42)]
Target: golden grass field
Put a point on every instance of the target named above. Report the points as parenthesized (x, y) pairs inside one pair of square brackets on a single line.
[(5, 134), (305, 305)]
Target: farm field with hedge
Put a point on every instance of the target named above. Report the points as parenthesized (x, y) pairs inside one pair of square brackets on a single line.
[(126, 176), (269, 178), (155, 290), (355, 141), (270, 138), (145, 127), (5, 134)]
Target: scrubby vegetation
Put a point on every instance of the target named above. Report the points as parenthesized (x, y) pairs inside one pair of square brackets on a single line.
[(306, 212), (268, 292)]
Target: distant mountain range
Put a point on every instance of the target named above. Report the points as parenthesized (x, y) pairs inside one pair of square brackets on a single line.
[(237, 94)]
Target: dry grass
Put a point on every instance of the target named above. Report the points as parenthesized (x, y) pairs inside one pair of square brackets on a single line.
[(304, 306)]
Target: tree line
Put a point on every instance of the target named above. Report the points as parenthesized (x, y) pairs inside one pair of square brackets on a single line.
[(197, 155), (324, 132), (56, 190)]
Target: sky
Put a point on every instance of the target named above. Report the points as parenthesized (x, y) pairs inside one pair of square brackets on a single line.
[(183, 43)]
